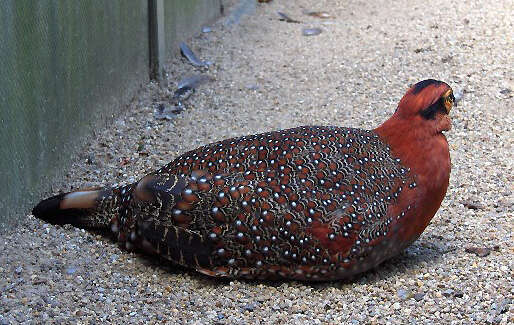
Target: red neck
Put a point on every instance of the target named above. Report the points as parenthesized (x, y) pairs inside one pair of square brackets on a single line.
[(419, 147), (426, 153)]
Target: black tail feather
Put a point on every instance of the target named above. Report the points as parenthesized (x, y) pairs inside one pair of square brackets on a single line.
[(50, 211), (92, 209)]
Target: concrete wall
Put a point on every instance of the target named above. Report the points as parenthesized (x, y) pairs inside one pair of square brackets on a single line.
[(65, 67)]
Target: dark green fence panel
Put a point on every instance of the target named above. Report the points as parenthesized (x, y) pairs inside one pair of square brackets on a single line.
[(64, 66)]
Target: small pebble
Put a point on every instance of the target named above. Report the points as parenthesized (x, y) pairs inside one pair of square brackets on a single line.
[(167, 112), (311, 31), (448, 292), (478, 251), (458, 294), (472, 204), (319, 14), (404, 294), (90, 160), (252, 87), (419, 296), (249, 307)]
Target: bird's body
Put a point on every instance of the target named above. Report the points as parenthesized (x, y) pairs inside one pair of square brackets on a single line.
[(308, 203)]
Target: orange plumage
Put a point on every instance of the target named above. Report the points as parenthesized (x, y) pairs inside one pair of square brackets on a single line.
[(309, 203)]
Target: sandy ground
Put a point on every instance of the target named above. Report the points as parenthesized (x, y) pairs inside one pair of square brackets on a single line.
[(267, 76)]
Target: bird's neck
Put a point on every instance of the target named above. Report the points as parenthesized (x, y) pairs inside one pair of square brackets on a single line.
[(426, 153), (419, 148)]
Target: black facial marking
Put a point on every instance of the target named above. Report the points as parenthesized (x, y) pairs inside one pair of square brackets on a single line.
[(423, 84), (429, 112)]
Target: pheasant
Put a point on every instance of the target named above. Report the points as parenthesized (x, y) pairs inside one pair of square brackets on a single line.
[(309, 203)]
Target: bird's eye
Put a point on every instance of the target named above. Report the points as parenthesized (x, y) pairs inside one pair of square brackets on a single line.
[(448, 103), (447, 100)]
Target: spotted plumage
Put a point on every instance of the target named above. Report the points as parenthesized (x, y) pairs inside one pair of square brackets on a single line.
[(308, 203)]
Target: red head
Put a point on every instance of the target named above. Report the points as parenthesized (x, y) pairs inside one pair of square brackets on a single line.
[(427, 103)]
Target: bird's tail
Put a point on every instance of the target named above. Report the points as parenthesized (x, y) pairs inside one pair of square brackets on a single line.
[(86, 208)]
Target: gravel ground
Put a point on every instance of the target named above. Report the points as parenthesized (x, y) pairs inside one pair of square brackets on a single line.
[(267, 76)]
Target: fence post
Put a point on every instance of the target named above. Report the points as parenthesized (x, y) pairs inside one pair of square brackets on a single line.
[(157, 44)]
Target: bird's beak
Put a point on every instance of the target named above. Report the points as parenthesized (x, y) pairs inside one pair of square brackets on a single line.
[(457, 97)]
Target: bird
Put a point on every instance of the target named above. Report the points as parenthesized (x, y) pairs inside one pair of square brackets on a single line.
[(310, 203)]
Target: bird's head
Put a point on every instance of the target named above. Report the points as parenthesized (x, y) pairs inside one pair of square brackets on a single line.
[(429, 103)]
